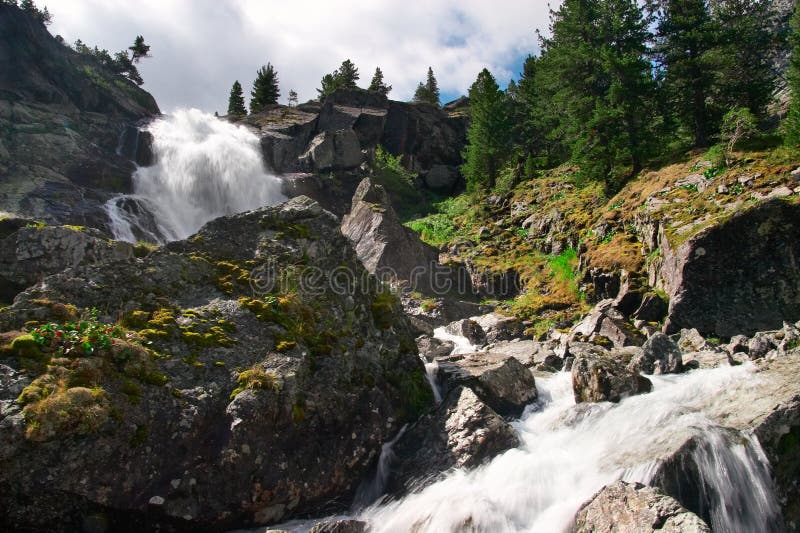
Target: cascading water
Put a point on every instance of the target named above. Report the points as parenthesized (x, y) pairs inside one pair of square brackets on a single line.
[(570, 451), (204, 168)]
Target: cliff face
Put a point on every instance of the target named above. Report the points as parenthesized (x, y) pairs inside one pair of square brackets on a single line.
[(62, 115)]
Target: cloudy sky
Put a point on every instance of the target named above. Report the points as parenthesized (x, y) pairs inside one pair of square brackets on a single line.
[(200, 47)]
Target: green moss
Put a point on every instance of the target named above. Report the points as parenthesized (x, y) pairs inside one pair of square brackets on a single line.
[(285, 346), (139, 435), (131, 389), (143, 249), (26, 346), (255, 378), (383, 309), (73, 411), (416, 394), (74, 228), (135, 319)]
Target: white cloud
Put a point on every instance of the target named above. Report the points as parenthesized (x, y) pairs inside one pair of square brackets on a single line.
[(200, 46)]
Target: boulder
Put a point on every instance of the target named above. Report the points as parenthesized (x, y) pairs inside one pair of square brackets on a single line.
[(339, 526), (597, 376), (738, 276), (29, 252), (441, 178), (430, 347), (607, 322), (635, 508), (760, 345), (468, 328), (652, 309), (462, 432), (384, 246), (498, 327), (660, 355), (267, 395), (338, 150), (501, 381)]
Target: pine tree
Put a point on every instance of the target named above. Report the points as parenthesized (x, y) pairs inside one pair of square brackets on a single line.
[(139, 49), (600, 83), (685, 43), (792, 124), (489, 133), (329, 83), (377, 84), (123, 65), (236, 101), (265, 89), (743, 60), (292, 97), (429, 91), (348, 75)]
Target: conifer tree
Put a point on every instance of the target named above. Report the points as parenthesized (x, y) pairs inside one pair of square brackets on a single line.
[(429, 91), (489, 133), (139, 49), (292, 97), (600, 82), (265, 88), (377, 84), (792, 124), (329, 83), (236, 101), (348, 75), (685, 43)]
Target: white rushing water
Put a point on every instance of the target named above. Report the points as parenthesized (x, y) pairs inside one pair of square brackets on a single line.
[(569, 452), (204, 168)]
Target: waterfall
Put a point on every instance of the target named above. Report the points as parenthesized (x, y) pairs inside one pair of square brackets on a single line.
[(571, 451), (204, 168), (375, 487)]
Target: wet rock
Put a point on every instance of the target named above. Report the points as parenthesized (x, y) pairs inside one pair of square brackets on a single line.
[(500, 327), (441, 178), (462, 432), (760, 345), (635, 508), (501, 381), (660, 355), (339, 526), (597, 376), (468, 328), (430, 348), (708, 359)]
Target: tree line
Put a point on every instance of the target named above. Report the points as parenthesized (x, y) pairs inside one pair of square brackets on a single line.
[(266, 90), (620, 82)]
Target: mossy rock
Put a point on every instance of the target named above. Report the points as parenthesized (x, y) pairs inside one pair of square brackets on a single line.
[(26, 346), (73, 411)]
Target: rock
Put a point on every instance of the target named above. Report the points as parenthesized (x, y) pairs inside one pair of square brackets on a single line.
[(62, 127), (691, 341), (468, 328), (760, 345), (500, 380), (265, 397), (795, 174), (780, 192), (441, 178), (635, 508), (386, 247), (652, 309), (707, 359), (605, 321), (30, 253), (660, 355), (462, 432), (337, 150), (339, 526), (738, 344), (430, 348), (605, 285), (499, 327), (693, 180), (599, 377), (736, 277)]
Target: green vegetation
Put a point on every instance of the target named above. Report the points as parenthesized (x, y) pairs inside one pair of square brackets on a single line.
[(378, 85), (446, 223), (79, 338), (236, 106), (792, 124), (428, 92), (265, 88), (345, 77), (255, 378)]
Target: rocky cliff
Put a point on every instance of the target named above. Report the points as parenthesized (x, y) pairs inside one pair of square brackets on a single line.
[(62, 119)]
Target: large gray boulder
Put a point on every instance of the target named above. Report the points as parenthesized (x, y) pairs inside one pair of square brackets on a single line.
[(498, 379), (599, 376), (337, 150), (660, 355), (386, 247), (462, 432), (240, 394), (635, 508), (736, 277)]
